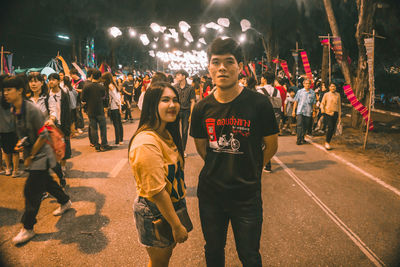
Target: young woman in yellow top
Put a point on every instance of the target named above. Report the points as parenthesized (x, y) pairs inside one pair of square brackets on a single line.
[(156, 158)]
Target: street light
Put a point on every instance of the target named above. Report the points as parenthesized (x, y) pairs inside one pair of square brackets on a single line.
[(115, 32), (154, 46), (63, 37), (132, 32), (242, 38)]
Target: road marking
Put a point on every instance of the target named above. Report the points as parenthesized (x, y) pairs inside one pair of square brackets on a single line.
[(118, 168), (370, 176), (356, 240)]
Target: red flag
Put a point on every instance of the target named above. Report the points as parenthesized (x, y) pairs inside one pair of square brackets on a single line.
[(247, 70), (307, 67), (357, 105), (337, 48), (324, 42), (285, 68)]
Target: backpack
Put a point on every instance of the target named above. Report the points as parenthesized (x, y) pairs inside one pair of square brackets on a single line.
[(56, 142), (274, 99)]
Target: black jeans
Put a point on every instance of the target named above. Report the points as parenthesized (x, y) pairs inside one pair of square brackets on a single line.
[(101, 121), (246, 220), (37, 183), (118, 129), (184, 114), (331, 122), (128, 102), (303, 126)]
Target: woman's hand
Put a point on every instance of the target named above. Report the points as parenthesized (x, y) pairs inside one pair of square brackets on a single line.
[(180, 234)]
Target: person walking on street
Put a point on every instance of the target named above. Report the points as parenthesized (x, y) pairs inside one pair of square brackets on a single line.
[(304, 104), (331, 108), (38, 158), (156, 157), (78, 84), (93, 95), (8, 137), (187, 98), (266, 88), (128, 91), (38, 94), (62, 119), (114, 106), (230, 127)]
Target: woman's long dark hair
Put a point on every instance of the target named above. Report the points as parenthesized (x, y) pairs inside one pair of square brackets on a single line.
[(37, 77), (150, 118), (107, 79), (67, 83)]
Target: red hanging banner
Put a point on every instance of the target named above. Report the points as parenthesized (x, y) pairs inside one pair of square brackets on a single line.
[(307, 67), (357, 105), (285, 68), (337, 48)]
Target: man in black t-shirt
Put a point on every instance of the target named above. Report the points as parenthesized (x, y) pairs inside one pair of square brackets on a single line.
[(187, 99), (93, 95), (231, 127), (127, 90)]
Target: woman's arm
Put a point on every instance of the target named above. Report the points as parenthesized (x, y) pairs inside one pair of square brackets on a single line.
[(164, 204)]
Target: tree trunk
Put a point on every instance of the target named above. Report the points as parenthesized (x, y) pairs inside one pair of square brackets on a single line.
[(335, 31), (324, 71), (73, 41), (80, 50), (366, 10)]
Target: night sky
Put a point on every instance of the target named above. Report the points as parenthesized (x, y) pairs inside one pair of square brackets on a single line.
[(29, 28)]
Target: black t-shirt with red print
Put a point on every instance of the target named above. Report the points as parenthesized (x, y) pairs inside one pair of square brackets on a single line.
[(234, 130)]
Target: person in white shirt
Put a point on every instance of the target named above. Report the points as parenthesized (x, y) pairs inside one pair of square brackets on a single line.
[(114, 106)]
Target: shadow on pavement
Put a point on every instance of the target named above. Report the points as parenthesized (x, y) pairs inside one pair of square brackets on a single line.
[(290, 153), (84, 230), (75, 153), (71, 174), (308, 166), (9, 216)]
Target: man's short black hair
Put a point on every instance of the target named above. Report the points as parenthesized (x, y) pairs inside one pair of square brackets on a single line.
[(222, 46), (54, 76), (96, 74), (183, 72), (269, 76), (130, 74)]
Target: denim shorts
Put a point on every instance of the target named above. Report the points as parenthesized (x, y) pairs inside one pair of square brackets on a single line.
[(144, 218)]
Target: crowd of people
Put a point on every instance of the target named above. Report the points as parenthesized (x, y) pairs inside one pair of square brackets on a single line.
[(234, 120)]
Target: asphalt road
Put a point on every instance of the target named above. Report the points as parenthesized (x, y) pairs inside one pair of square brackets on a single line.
[(318, 211)]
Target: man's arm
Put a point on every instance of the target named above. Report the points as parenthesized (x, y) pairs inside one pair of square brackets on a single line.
[(192, 103), (124, 90), (271, 146), (201, 147), (294, 109)]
